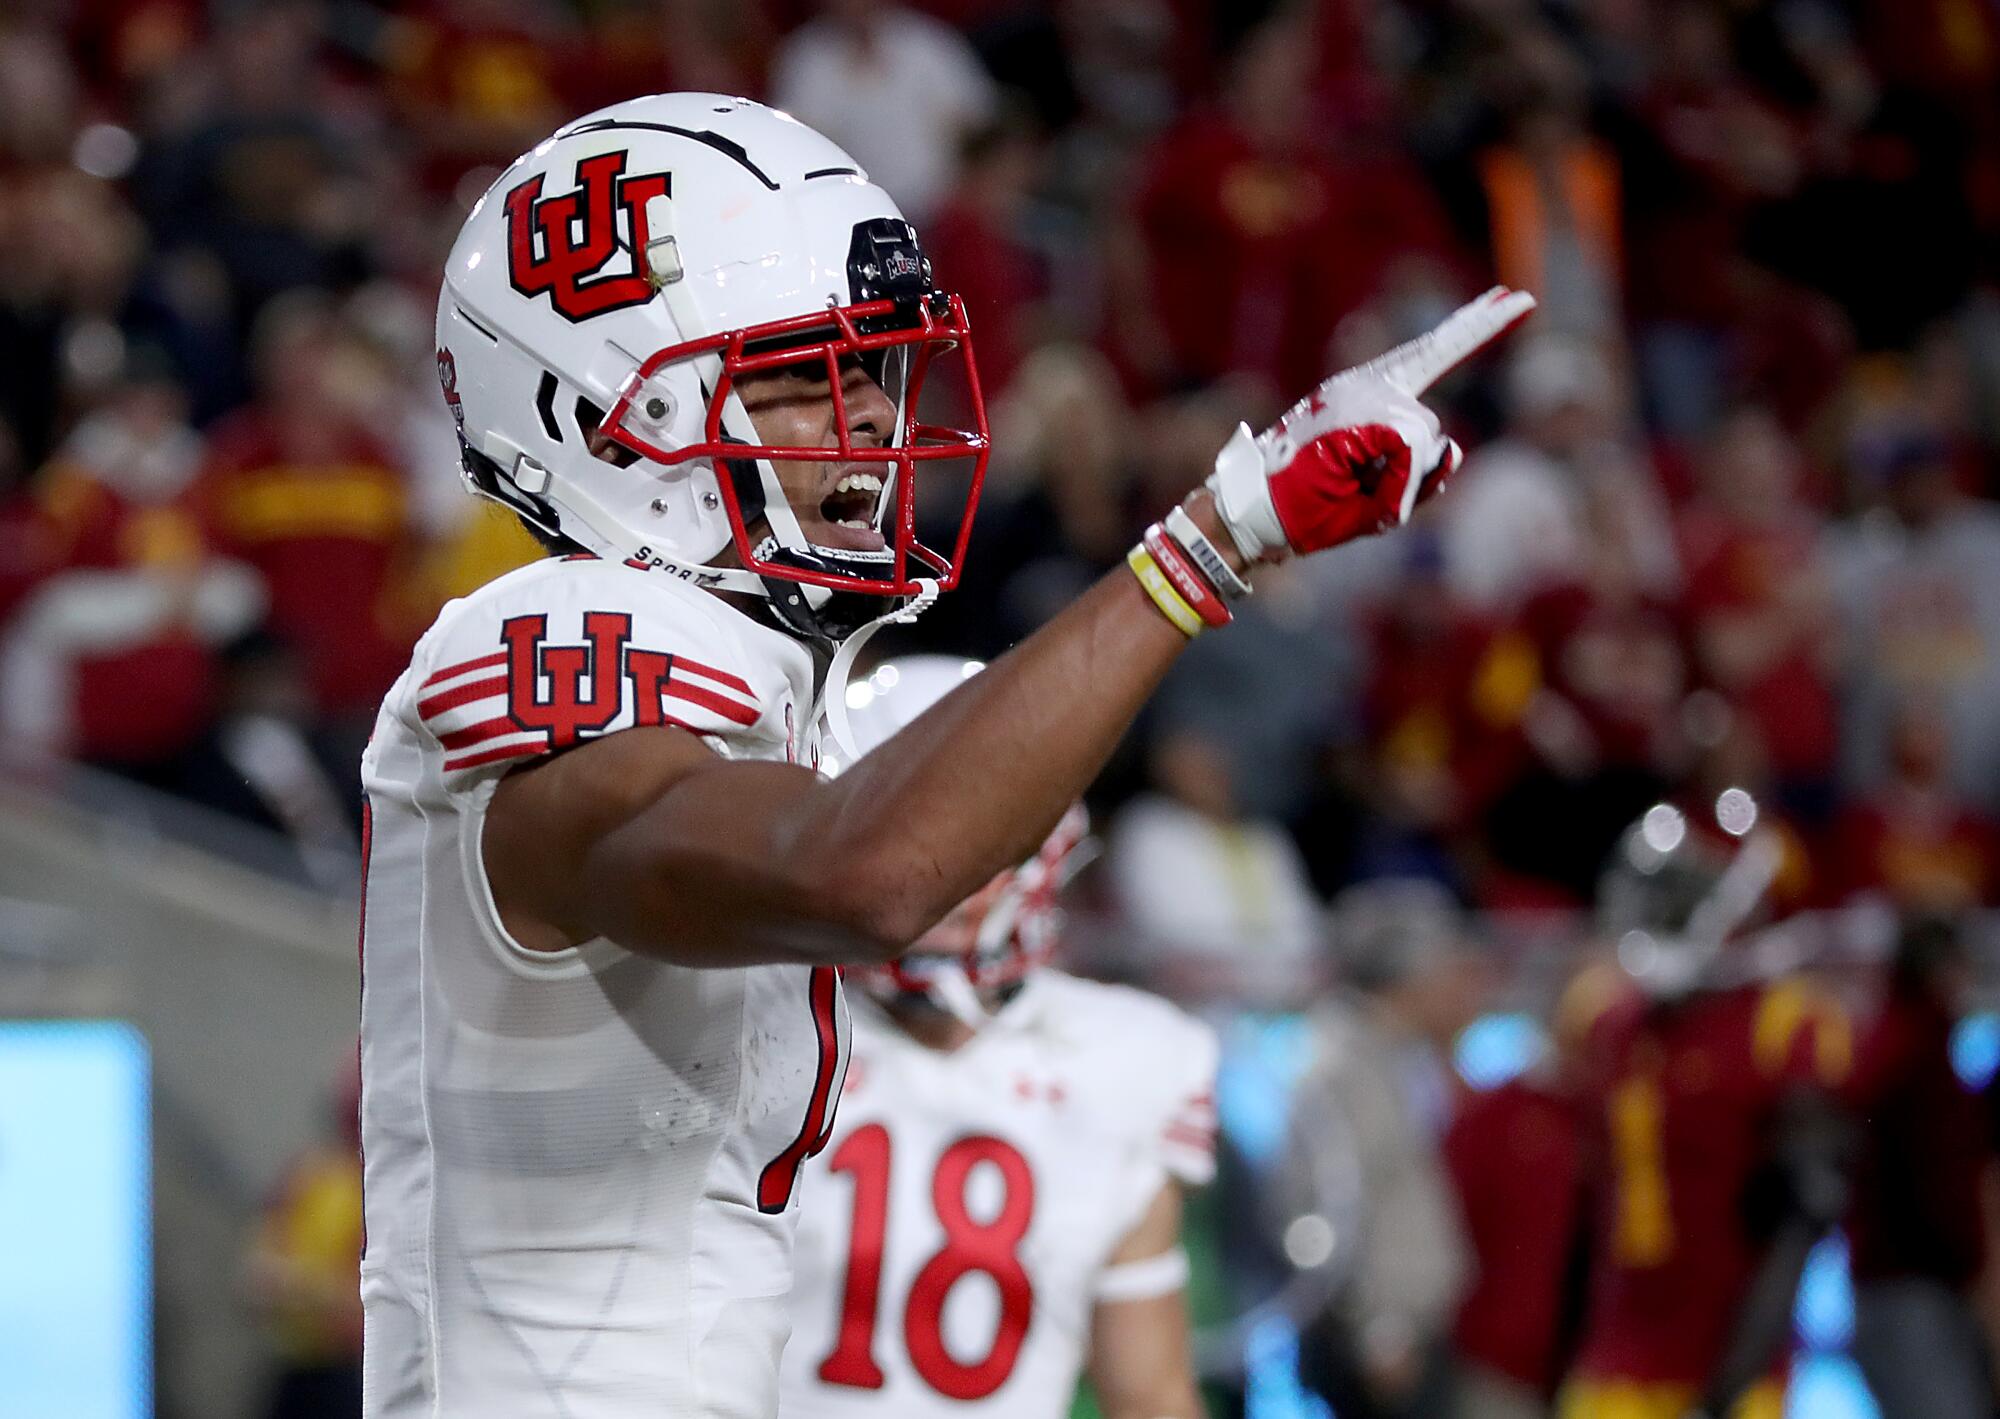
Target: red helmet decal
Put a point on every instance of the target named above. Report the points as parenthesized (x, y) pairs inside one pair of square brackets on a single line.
[(448, 381), (559, 246)]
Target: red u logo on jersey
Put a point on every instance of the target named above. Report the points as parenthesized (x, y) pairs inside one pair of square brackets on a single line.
[(559, 246), (566, 691)]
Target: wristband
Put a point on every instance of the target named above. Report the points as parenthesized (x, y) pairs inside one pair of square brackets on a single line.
[(1211, 563), (1171, 603), (1195, 589), (1144, 1279)]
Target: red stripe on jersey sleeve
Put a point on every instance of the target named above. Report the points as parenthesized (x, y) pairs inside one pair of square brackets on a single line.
[(464, 695), (479, 733), (494, 756), (694, 694), (450, 672), (721, 677)]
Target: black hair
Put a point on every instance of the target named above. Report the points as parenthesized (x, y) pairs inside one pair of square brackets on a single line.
[(556, 544)]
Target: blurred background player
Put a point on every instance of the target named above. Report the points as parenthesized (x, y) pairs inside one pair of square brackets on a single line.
[(301, 1267), (998, 1209), (1916, 1230), (1381, 1093), (1720, 1153), (1517, 1158)]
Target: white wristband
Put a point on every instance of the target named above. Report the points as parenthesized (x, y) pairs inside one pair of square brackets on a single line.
[(1211, 563), (1144, 1279)]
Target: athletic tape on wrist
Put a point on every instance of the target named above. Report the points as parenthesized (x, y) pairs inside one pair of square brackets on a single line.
[(1211, 562), (1195, 589), (1172, 605), (1144, 1279)]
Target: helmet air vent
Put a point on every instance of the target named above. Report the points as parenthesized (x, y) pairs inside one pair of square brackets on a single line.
[(589, 422), (545, 405)]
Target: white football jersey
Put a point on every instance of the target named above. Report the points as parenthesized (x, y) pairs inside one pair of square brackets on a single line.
[(953, 1231), (580, 1167)]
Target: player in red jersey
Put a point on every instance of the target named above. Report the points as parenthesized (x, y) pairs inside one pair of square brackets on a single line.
[(1516, 1157), (1719, 1164)]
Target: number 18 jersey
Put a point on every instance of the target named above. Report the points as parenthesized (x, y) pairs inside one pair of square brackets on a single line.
[(952, 1234)]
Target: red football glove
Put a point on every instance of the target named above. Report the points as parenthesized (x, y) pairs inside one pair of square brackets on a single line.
[(1359, 453)]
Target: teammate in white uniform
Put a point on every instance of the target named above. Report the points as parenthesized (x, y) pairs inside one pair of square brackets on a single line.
[(685, 340), (998, 1209)]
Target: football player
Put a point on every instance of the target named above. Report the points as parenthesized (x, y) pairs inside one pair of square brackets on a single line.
[(1721, 1156), (686, 341), (998, 1208)]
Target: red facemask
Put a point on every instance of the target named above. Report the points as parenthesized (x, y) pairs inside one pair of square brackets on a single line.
[(876, 331)]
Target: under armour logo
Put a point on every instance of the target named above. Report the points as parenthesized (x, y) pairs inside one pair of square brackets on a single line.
[(565, 691), (559, 246)]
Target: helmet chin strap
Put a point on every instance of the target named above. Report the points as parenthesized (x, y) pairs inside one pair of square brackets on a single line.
[(832, 708), (952, 988), (949, 983)]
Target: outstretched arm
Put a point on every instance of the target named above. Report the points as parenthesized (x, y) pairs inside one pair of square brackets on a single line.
[(649, 839)]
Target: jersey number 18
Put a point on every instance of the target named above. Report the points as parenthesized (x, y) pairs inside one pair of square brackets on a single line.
[(970, 1246)]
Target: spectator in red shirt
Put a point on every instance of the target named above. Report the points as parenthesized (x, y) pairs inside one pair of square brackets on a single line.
[(1706, 149), (111, 658), (1442, 710), (298, 485), (1762, 622), (477, 81), (1251, 239), (1914, 840), (1916, 1230), (976, 243), (1606, 725)]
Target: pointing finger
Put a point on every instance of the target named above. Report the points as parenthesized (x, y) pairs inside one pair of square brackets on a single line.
[(1416, 365)]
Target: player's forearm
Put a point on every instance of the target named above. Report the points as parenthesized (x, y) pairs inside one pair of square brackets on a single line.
[(1140, 1366), (976, 783), (1173, 1398), (1182, 1404), (760, 862)]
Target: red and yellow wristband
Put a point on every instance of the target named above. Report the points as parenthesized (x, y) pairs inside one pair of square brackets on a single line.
[(1182, 594)]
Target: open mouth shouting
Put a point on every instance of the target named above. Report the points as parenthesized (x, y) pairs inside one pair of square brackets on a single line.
[(846, 518)]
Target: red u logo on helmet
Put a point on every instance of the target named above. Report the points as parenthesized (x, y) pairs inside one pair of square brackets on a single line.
[(559, 246)]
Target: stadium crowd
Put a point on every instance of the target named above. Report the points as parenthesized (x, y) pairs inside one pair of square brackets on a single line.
[(1729, 518)]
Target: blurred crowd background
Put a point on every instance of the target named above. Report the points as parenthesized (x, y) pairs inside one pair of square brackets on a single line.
[(1728, 521)]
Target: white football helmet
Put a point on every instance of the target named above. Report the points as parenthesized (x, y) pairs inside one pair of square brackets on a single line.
[(610, 288), (971, 961)]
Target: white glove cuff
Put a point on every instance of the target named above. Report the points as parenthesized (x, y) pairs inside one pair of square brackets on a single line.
[(1242, 488)]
